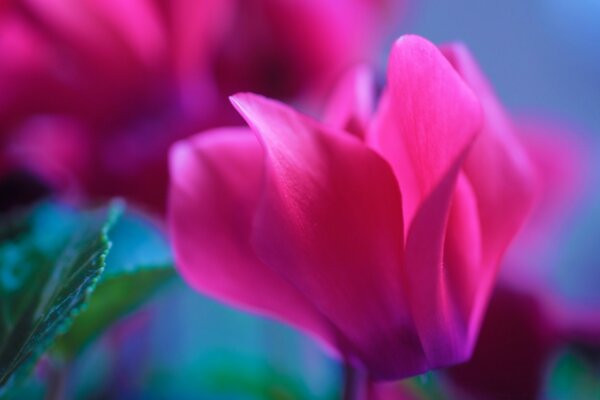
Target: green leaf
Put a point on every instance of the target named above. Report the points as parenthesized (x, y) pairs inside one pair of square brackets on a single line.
[(139, 263), (427, 386), (51, 258)]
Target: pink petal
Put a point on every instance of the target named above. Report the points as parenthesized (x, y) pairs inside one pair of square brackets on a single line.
[(425, 126), (352, 102), (502, 179), (215, 186), (58, 149), (441, 260), (497, 166), (330, 222), (196, 29), (462, 253), (135, 21), (425, 120)]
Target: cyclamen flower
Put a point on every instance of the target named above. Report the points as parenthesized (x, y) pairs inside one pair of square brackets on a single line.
[(106, 76), (379, 234)]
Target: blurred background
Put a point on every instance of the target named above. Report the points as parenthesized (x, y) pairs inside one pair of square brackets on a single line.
[(542, 57)]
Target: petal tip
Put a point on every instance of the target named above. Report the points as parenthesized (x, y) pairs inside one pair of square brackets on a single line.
[(241, 99), (412, 40), (180, 156), (248, 105)]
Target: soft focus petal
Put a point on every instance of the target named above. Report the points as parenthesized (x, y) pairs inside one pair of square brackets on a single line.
[(143, 35), (561, 157), (57, 149), (536, 262), (195, 28), (352, 102), (330, 221), (215, 185), (284, 48), (497, 167), (426, 123), (564, 165), (23, 70), (82, 41)]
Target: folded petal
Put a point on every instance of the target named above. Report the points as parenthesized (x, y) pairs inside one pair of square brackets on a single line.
[(441, 270), (329, 220), (425, 126), (215, 186), (462, 258), (352, 102)]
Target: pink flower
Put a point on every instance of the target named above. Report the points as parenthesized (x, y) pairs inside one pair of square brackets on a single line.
[(379, 234), (155, 71)]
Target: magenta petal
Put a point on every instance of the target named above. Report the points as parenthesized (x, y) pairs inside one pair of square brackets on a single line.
[(497, 167), (352, 102), (330, 222), (215, 185), (502, 180), (434, 284), (426, 123), (142, 35), (196, 27)]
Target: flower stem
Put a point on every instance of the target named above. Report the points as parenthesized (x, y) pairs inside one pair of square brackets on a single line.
[(354, 383), (57, 380)]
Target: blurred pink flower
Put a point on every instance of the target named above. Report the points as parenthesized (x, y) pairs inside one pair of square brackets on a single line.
[(563, 162), (513, 350), (379, 234), (129, 78)]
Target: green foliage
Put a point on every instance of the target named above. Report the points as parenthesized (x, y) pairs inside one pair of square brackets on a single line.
[(61, 287), (139, 263), (223, 374), (51, 259)]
